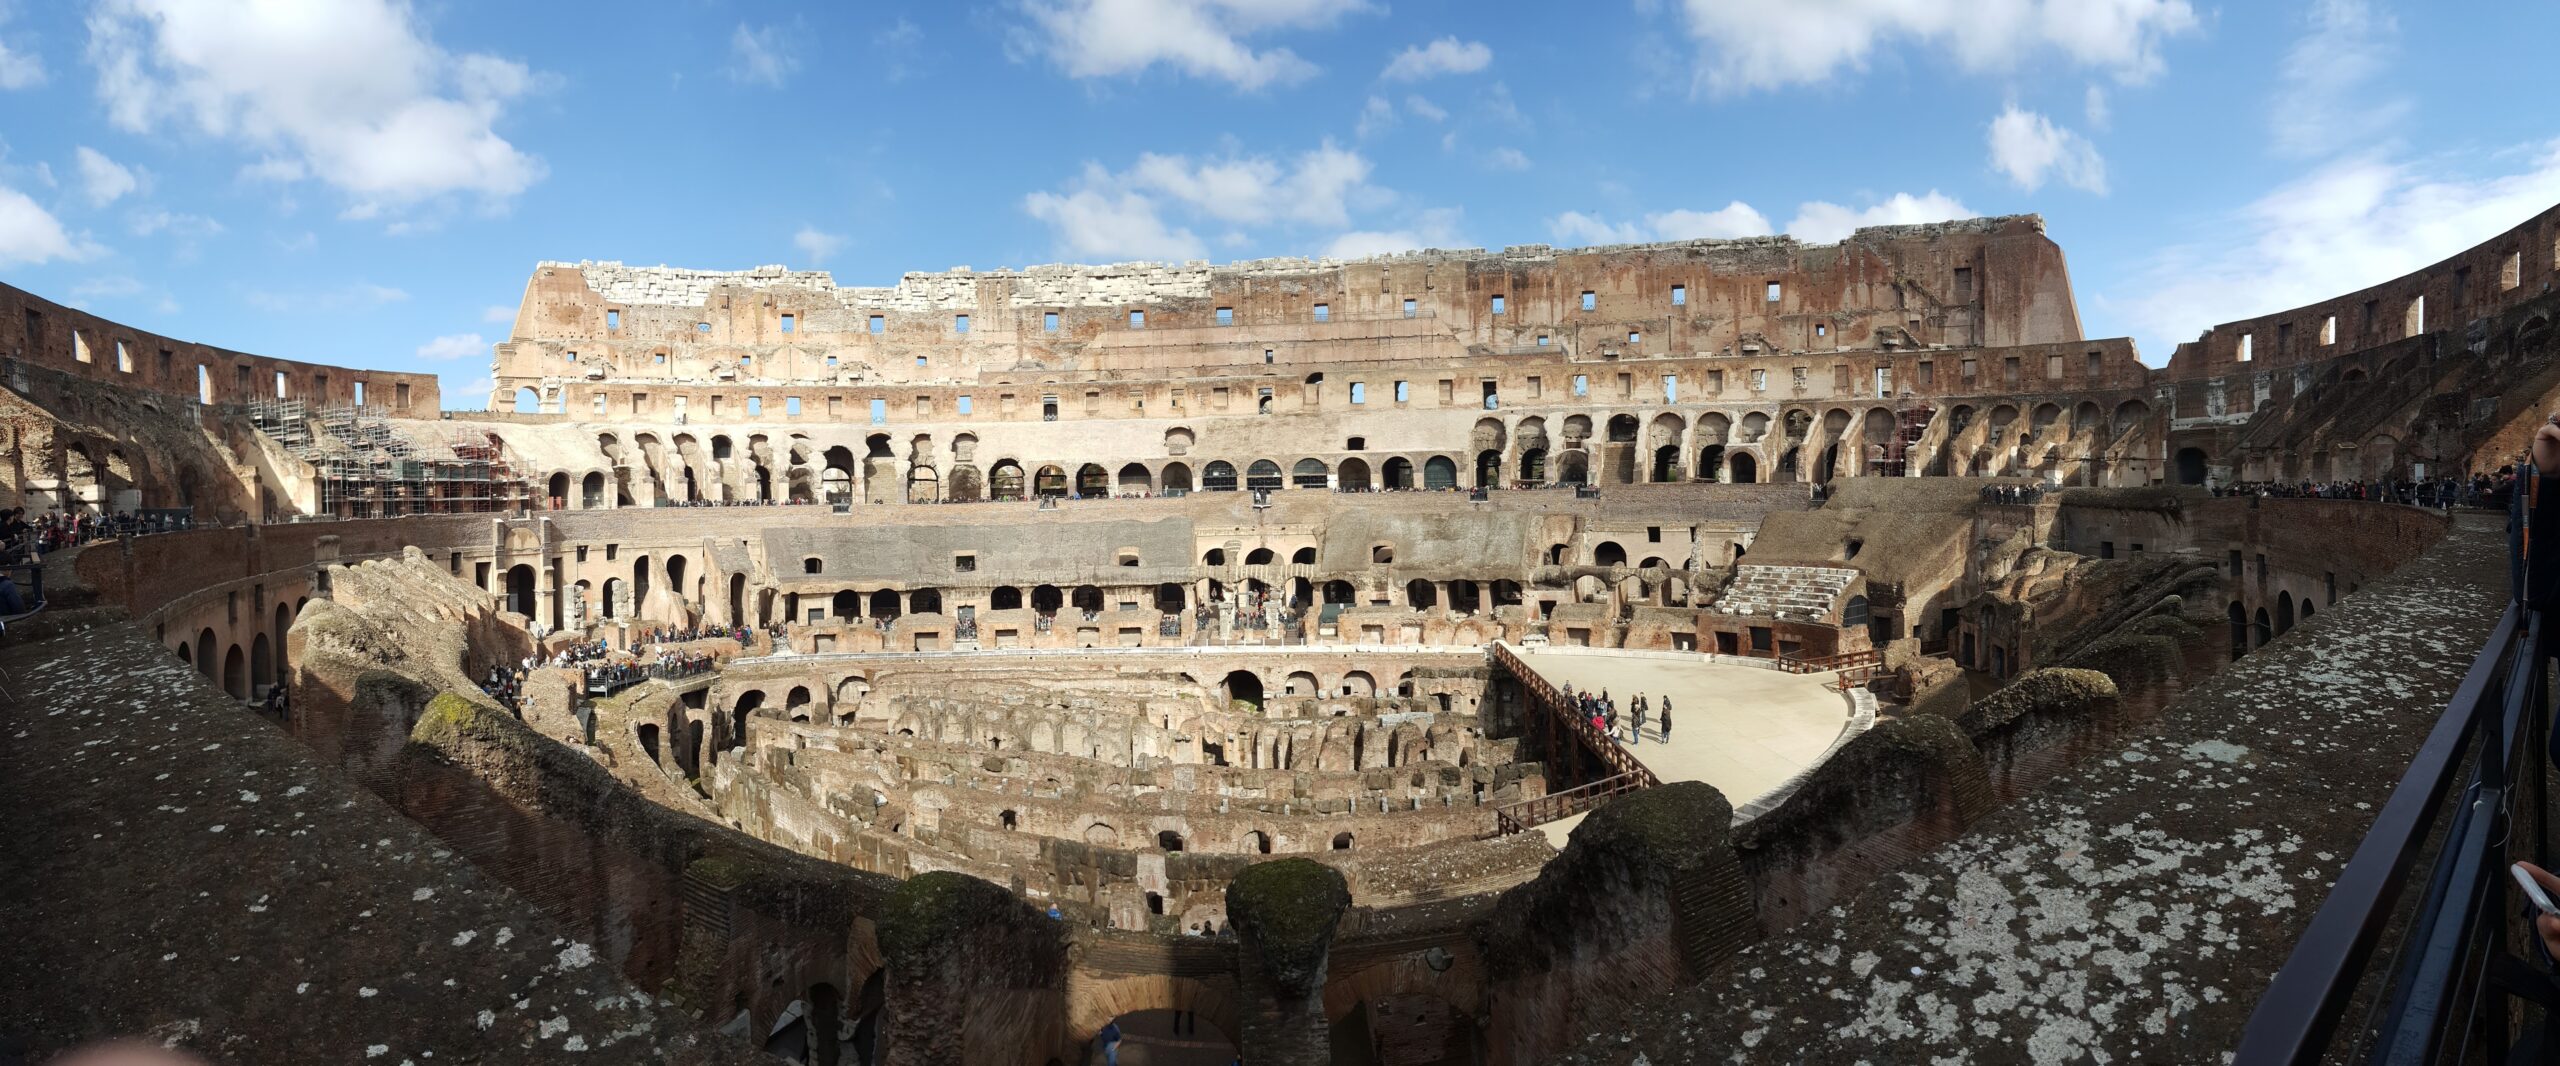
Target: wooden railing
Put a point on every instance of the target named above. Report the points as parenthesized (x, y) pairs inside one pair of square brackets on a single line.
[(1530, 813), (1565, 712), (1843, 661)]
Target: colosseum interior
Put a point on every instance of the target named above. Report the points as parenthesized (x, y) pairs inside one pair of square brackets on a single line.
[(947, 671)]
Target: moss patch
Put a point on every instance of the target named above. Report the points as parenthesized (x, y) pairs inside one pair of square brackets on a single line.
[(930, 913), (1290, 908), (2048, 690)]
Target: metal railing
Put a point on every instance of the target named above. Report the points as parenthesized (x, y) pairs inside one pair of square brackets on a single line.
[(1523, 815), (2451, 982)]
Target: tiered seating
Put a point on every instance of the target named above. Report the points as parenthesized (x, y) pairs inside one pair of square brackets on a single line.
[(1794, 593)]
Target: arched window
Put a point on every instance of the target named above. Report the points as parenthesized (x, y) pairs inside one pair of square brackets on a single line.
[(1218, 476)]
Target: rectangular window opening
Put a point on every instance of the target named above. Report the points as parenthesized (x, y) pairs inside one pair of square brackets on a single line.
[(1226, 316), (1048, 322), (1497, 305), (1324, 312), (879, 412), (959, 323), (1590, 300), (1359, 392), (1137, 320), (790, 323), (879, 324), (1775, 291), (1679, 296), (612, 319), (791, 406), (1409, 307), (1404, 391), (963, 405)]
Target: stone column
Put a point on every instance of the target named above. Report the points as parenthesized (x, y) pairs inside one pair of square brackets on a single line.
[(974, 974), (1285, 913)]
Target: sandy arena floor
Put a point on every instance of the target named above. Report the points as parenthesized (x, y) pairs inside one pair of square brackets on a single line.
[(1743, 729)]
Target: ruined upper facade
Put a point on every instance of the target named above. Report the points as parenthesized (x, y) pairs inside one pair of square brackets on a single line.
[(587, 327)]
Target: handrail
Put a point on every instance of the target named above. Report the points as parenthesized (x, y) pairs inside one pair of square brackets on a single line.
[(1545, 697), (2475, 793), (1523, 815)]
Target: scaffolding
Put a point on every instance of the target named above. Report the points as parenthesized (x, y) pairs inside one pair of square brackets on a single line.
[(365, 467), (1912, 425)]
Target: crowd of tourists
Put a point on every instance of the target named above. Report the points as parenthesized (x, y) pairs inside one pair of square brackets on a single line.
[(1601, 711), (2012, 494), (2479, 490), (685, 634)]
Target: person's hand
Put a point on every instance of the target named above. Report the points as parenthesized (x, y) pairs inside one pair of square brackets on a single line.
[(2546, 445), (2544, 925)]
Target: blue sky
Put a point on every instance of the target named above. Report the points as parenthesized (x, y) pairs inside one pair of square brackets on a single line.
[(370, 182)]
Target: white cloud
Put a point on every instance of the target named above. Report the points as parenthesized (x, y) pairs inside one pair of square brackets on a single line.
[(1574, 227), (102, 180), (1201, 38), (1157, 208), (2351, 223), (764, 56), (1769, 44), (350, 92), (1422, 107), (2320, 105), (18, 69), (174, 223), (1507, 158), (1377, 117), (472, 395), (816, 245), (498, 313), (893, 47), (2027, 146), (1315, 188), (1736, 219), (29, 234), (1448, 55), (355, 296), (1091, 224), (1435, 228), (1822, 222), (454, 346)]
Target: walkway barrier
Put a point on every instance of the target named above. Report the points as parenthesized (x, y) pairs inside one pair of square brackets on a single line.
[(2446, 977), (1527, 814), (1562, 718)]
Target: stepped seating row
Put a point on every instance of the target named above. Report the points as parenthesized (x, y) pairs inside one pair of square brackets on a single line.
[(1793, 593)]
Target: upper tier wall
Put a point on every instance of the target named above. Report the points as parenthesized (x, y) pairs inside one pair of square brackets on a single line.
[(1980, 282), (2514, 266), (76, 342)]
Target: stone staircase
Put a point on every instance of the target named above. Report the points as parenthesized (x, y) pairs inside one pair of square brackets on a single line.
[(1794, 593)]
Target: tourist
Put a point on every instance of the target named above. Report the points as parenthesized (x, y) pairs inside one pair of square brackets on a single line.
[(1110, 1040), (1638, 732), (1666, 719)]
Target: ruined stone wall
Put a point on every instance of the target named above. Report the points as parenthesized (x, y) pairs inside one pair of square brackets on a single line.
[(1982, 282), (66, 339), (2521, 264)]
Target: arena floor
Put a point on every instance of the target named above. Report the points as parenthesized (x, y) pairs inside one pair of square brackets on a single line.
[(1743, 729)]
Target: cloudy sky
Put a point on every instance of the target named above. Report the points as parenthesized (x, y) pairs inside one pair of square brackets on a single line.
[(370, 182)]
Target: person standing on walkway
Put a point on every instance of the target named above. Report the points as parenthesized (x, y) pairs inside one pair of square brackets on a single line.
[(1639, 730), (1110, 1040), (1666, 719)]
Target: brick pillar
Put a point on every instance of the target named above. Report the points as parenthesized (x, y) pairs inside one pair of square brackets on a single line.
[(1285, 913), (974, 974)]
